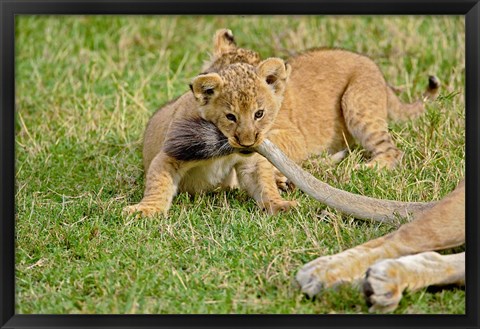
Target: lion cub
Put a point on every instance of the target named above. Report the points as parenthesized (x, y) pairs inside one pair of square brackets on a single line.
[(242, 100), (332, 98)]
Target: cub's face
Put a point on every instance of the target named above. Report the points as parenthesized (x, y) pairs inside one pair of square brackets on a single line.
[(242, 100)]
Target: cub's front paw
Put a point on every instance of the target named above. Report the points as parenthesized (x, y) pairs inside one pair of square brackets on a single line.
[(382, 286), (274, 207), (145, 210)]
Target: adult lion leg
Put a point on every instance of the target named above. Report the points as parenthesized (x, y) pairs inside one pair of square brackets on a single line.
[(258, 179), (425, 233), (161, 186), (386, 280)]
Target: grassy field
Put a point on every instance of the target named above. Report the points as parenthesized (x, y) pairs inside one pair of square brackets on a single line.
[(85, 88)]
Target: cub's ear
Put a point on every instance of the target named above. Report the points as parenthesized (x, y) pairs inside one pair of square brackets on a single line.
[(275, 72), (223, 42), (206, 87)]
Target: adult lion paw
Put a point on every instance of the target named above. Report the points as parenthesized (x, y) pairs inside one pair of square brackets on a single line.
[(323, 272), (382, 286)]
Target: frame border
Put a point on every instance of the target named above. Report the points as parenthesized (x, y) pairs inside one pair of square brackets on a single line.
[(8, 11)]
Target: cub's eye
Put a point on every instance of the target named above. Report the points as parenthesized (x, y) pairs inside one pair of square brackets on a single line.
[(231, 117), (209, 91), (258, 114)]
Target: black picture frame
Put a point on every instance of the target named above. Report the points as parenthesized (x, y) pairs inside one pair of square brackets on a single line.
[(8, 11)]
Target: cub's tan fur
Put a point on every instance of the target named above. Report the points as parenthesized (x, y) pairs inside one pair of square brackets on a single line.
[(404, 259), (333, 97)]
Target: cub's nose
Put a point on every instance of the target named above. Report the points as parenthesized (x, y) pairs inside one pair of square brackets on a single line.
[(244, 143), (247, 142)]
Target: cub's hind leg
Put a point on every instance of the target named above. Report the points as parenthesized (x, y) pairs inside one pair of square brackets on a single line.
[(283, 183), (364, 107)]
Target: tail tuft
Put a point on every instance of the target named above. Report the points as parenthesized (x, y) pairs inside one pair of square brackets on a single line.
[(399, 111), (433, 82), (433, 87)]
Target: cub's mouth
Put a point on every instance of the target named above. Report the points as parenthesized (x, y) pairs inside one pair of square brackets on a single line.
[(242, 149)]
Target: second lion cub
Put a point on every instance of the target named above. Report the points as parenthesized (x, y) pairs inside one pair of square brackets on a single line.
[(334, 96)]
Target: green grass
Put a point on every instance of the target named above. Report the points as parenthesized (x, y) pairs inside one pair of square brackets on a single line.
[(85, 89)]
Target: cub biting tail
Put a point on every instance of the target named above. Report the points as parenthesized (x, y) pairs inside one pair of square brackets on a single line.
[(321, 100)]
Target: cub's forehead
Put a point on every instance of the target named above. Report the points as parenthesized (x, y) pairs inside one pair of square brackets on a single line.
[(240, 81)]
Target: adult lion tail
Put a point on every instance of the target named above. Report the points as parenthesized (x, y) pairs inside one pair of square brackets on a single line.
[(359, 206), (399, 111)]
